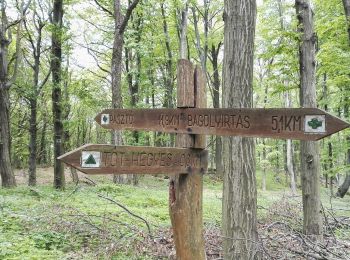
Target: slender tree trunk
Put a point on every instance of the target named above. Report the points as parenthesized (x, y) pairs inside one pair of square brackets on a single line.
[(116, 73), (263, 180), (32, 142), (214, 52), (239, 193), (120, 24), (309, 150), (56, 60), (290, 167), (183, 33), (169, 82), (42, 158), (289, 152)]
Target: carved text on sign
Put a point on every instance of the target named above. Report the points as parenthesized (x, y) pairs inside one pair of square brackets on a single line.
[(277, 123), (110, 159), (149, 159)]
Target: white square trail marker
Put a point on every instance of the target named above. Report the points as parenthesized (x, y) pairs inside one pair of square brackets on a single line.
[(105, 119), (315, 124), (90, 159)]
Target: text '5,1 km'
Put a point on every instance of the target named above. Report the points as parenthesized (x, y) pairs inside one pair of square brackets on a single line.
[(280, 123)]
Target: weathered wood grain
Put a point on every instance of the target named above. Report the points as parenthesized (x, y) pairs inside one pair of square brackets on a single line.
[(278, 123), (186, 191)]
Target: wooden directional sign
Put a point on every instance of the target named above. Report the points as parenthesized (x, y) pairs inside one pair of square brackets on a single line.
[(110, 159), (280, 123)]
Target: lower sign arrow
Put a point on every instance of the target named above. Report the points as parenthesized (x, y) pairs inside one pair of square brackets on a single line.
[(110, 159)]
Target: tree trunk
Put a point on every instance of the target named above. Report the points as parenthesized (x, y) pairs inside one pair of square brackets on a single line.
[(183, 33), (32, 142), (169, 77), (214, 52), (289, 153), (74, 175), (263, 180), (239, 192), (290, 167), (59, 180), (309, 150), (42, 158), (120, 24), (116, 74), (6, 172)]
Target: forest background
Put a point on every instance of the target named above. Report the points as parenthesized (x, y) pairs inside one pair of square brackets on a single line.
[(152, 35)]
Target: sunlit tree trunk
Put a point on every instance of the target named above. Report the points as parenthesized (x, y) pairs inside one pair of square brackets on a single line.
[(239, 194), (309, 150), (120, 23)]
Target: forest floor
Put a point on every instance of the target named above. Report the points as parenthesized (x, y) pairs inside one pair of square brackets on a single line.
[(81, 223)]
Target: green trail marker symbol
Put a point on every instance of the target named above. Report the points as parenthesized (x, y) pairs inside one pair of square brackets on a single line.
[(315, 123), (90, 159)]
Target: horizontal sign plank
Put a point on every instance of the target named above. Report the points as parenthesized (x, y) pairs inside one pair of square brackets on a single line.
[(110, 159), (279, 123)]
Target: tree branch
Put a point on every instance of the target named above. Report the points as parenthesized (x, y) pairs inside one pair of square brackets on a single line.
[(127, 16), (128, 211), (104, 8)]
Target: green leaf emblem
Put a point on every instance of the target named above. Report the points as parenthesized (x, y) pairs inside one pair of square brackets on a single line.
[(315, 123), (105, 119)]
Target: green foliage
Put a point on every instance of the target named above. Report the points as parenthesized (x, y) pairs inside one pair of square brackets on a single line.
[(48, 240)]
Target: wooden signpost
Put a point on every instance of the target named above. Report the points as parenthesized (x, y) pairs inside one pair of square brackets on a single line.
[(279, 123), (191, 120), (110, 159)]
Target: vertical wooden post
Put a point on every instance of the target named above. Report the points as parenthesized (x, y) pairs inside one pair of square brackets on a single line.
[(186, 190)]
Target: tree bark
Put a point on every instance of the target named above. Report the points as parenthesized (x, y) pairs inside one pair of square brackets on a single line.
[(263, 179), (169, 77), (32, 142), (183, 32), (309, 150), (6, 172), (120, 24), (214, 53), (42, 158), (239, 192), (56, 60), (289, 153), (34, 95), (186, 190), (7, 175)]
